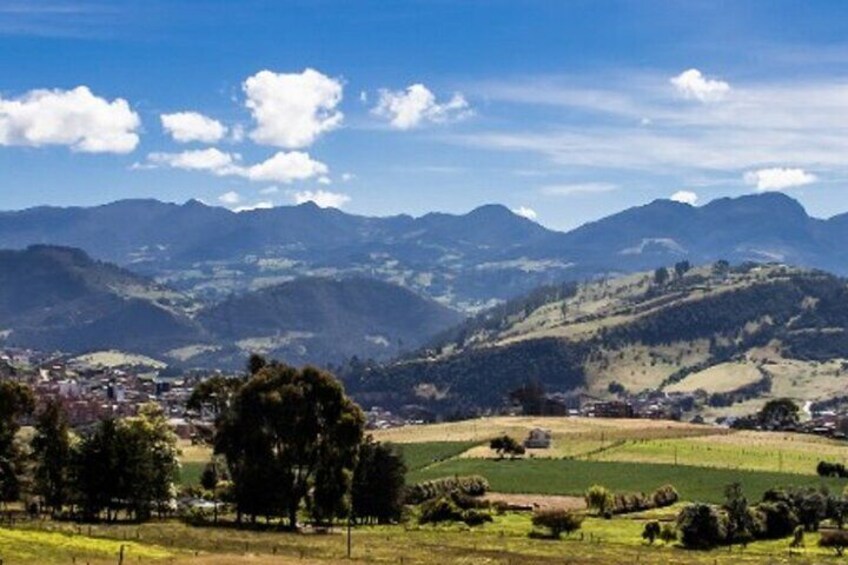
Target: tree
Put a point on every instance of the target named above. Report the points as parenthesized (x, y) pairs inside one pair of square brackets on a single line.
[(651, 531), (701, 526), (284, 429), (130, 464), (721, 267), (16, 401), (668, 534), (740, 527), (599, 498), (661, 276), (681, 268), (214, 394), (378, 483), (51, 448), (779, 413), (558, 521), (506, 445)]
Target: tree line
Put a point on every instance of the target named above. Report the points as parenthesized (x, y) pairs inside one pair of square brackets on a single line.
[(124, 466)]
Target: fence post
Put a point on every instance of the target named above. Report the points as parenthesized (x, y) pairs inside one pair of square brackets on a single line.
[(121, 556)]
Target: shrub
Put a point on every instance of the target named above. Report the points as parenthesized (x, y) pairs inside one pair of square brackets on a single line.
[(557, 521), (651, 531), (666, 495), (599, 499), (837, 540), (441, 509), (471, 485), (797, 537), (702, 526), (668, 534)]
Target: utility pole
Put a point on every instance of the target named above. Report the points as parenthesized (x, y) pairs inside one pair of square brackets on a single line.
[(349, 524)]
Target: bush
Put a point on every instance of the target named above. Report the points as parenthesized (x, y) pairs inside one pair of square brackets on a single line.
[(837, 540), (702, 526), (455, 507), (780, 519), (651, 531), (668, 534), (557, 521), (472, 485), (825, 469), (441, 509), (664, 496), (599, 499)]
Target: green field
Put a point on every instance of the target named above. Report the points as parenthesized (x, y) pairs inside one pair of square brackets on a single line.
[(505, 541), (573, 477), (421, 455)]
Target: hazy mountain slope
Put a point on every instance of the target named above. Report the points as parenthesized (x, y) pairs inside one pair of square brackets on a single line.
[(779, 328), (321, 320), (59, 298)]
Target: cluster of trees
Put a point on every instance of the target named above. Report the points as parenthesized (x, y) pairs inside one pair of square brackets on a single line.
[(451, 499), (825, 469), (606, 503), (781, 513), (128, 465), (292, 440)]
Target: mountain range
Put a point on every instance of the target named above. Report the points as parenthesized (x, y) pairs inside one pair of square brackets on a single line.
[(468, 261)]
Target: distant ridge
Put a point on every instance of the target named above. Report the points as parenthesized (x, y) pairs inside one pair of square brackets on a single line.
[(465, 260)]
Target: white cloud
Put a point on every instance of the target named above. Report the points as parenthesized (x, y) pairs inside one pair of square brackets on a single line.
[(525, 212), (263, 205), (778, 178), (685, 197), (325, 181), (230, 198), (185, 127), (577, 188), (322, 198), (281, 167), (347, 177), (269, 190), (692, 84), (292, 110), (417, 104), (286, 168), (76, 118), (211, 160)]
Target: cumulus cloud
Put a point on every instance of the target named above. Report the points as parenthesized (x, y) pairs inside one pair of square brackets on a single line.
[(406, 109), (525, 212), (76, 118), (347, 177), (694, 85), (230, 198), (322, 198), (185, 127), (778, 178), (211, 160), (292, 110), (685, 197), (269, 190), (286, 168), (281, 167)]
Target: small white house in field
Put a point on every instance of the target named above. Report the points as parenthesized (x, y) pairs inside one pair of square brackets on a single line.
[(538, 438)]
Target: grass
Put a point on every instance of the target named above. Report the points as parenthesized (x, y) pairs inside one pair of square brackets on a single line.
[(28, 546), (504, 541), (421, 455), (573, 477)]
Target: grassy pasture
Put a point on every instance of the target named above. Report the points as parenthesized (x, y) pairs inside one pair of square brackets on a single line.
[(573, 477), (501, 542)]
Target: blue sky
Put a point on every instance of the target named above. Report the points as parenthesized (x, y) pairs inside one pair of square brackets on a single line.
[(565, 111)]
